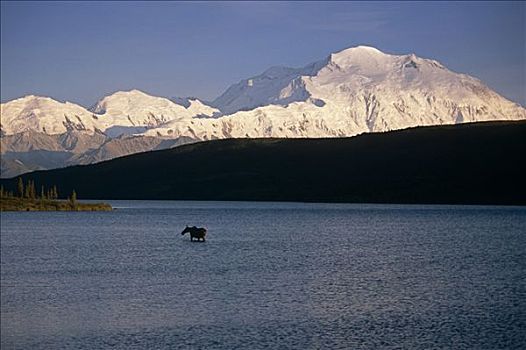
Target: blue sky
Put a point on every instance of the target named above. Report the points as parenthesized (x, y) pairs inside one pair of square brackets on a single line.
[(81, 51)]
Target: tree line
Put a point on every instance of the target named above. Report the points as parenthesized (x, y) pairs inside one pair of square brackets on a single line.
[(28, 191)]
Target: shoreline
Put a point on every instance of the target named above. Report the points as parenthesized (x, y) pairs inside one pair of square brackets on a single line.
[(24, 204)]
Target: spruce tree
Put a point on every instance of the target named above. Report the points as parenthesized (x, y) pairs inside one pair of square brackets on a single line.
[(73, 200), (42, 195), (27, 189), (32, 190), (20, 187)]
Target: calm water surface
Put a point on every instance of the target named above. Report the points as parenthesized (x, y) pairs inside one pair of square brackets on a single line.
[(271, 275)]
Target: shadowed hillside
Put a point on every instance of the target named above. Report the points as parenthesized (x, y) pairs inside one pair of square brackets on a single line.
[(478, 163)]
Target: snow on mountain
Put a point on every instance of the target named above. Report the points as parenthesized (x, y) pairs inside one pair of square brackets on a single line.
[(199, 109), (356, 90), (43, 114), (136, 109), (124, 112), (353, 91), (277, 85)]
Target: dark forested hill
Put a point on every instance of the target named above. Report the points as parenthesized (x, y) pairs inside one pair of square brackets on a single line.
[(481, 163)]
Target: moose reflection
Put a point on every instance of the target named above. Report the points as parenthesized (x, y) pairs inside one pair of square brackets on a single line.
[(195, 232)]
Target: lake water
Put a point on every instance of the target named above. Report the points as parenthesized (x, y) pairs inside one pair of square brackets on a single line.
[(271, 275)]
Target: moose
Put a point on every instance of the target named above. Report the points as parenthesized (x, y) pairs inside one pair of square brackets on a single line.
[(195, 232)]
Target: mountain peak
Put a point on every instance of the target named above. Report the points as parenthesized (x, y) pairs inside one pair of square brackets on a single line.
[(129, 93), (29, 98), (360, 55), (36, 101), (135, 92), (363, 48), (359, 51)]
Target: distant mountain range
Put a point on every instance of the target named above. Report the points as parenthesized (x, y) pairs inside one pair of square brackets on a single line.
[(474, 163), (354, 91)]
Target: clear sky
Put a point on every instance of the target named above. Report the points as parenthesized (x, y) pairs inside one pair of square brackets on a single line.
[(81, 51)]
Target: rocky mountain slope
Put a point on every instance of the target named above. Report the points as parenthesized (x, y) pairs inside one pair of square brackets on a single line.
[(354, 91)]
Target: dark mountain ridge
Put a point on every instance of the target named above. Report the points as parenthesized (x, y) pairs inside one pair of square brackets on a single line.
[(479, 163)]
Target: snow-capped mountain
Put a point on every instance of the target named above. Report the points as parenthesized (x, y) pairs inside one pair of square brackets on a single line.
[(365, 89), (43, 114), (124, 112), (353, 91), (139, 111)]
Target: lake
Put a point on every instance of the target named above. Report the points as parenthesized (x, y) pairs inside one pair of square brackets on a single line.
[(271, 275)]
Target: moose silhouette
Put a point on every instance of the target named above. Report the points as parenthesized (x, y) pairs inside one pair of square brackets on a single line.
[(195, 232)]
